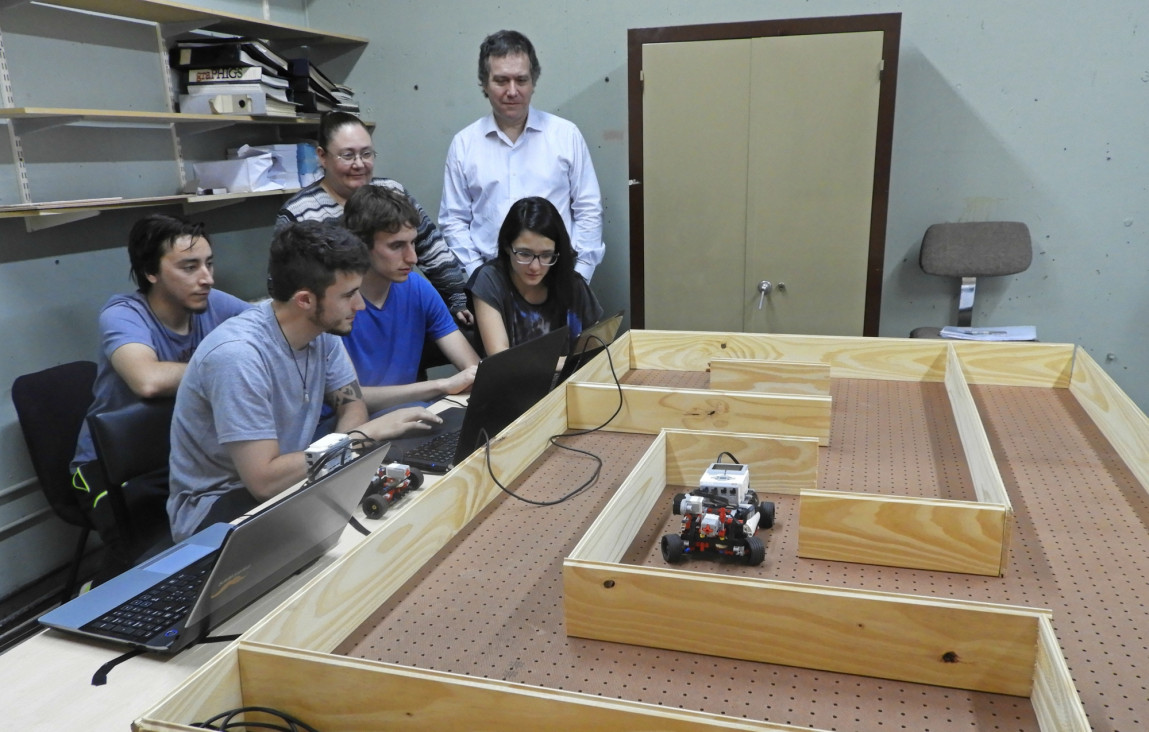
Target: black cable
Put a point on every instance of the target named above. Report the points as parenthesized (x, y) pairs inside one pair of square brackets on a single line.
[(553, 440), (288, 723), (729, 455)]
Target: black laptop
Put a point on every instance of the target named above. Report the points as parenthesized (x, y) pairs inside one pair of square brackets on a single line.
[(173, 600), (591, 342), (507, 384)]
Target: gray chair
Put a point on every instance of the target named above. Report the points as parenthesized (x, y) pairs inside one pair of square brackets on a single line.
[(971, 250)]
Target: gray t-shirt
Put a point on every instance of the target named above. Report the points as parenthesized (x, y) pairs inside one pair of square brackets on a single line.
[(244, 383)]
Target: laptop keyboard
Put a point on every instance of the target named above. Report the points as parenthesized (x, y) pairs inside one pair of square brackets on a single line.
[(158, 608), (436, 453)]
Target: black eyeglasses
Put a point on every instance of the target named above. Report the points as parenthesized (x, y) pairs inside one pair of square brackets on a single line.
[(546, 259)]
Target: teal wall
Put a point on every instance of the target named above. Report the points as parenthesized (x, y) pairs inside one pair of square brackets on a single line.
[(1031, 111)]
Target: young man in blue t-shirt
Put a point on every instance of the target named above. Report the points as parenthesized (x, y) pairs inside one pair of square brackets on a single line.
[(148, 336), (402, 308)]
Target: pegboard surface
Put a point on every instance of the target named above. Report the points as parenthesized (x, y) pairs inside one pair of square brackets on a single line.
[(489, 604)]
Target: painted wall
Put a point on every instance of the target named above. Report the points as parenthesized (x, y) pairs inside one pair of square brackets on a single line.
[(1029, 111), (1025, 111)]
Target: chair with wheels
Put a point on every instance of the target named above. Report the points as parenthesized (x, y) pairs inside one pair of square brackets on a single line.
[(132, 446), (50, 406), (971, 250)]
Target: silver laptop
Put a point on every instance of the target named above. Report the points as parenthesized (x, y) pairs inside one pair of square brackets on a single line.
[(174, 599)]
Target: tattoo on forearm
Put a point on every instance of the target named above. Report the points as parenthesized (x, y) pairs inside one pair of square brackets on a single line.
[(345, 395)]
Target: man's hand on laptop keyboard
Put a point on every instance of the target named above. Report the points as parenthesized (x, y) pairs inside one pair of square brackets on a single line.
[(410, 420)]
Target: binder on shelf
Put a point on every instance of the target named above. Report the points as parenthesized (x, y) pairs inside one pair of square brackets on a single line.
[(302, 68), (310, 101), (249, 103), (271, 92), (227, 51)]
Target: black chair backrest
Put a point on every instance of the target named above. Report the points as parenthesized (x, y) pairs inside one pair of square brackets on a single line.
[(51, 405), (134, 440)]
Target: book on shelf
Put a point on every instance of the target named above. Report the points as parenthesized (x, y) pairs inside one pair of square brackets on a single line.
[(226, 51), (302, 68), (310, 101), (272, 92), (233, 75), (254, 103)]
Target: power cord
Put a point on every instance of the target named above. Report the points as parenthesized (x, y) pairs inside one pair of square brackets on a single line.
[(554, 441), (226, 720)]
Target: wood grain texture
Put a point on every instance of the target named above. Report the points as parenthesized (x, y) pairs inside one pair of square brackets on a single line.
[(1054, 697), (1048, 365), (613, 531), (213, 687), (336, 693), (1115, 414), (337, 600), (772, 377), (903, 359), (987, 483), (964, 645), (944, 536), (646, 410), (786, 465)]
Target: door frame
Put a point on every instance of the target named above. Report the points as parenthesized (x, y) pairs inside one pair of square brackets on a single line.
[(888, 23)]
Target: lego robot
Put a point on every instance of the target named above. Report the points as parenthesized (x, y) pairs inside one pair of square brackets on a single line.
[(720, 517), (390, 483)]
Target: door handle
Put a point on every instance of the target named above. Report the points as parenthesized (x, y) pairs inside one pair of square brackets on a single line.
[(764, 288)]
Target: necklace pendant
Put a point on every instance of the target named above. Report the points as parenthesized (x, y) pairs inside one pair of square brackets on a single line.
[(306, 397)]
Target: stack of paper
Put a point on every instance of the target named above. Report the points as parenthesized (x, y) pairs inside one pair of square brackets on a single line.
[(996, 333), (284, 169)]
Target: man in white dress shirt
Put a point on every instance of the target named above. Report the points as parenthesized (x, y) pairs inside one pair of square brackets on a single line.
[(515, 152)]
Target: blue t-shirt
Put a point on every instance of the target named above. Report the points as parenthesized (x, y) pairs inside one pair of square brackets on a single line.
[(244, 383), (127, 319), (386, 344)]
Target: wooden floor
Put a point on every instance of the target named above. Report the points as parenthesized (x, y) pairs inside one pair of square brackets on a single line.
[(489, 604)]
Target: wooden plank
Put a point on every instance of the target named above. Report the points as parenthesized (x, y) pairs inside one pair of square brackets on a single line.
[(786, 465), (1124, 425), (951, 643), (336, 601), (987, 483), (342, 693), (646, 410), (604, 369), (1054, 697), (890, 359), (900, 359), (1048, 365), (213, 687), (893, 531), (773, 377), (612, 532), (164, 11)]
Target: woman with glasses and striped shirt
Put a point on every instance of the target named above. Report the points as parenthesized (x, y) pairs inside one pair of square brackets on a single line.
[(348, 162)]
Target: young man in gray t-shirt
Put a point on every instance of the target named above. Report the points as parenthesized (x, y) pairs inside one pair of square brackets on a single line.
[(251, 398)]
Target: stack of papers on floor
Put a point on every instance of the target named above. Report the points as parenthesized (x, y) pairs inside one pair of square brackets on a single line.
[(995, 333)]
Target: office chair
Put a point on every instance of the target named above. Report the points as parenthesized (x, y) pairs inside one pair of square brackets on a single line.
[(132, 446), (50, 406), (971, 250)]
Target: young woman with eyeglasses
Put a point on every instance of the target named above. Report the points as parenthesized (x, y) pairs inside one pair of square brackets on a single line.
[(348, 161), (531, 287)]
